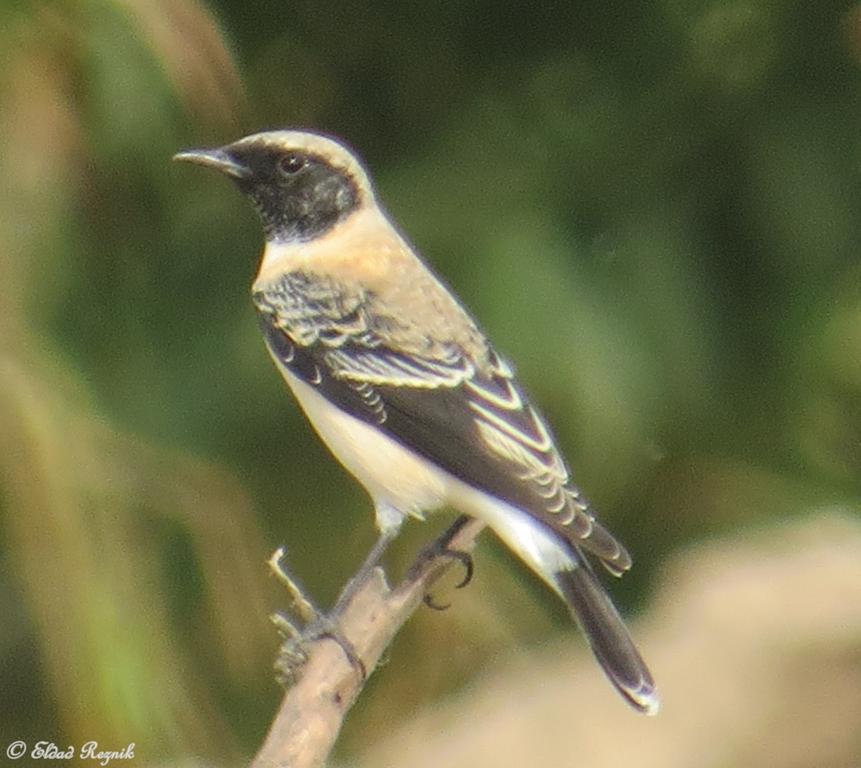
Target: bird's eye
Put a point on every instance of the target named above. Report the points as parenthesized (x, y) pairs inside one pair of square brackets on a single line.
[(292, 163)]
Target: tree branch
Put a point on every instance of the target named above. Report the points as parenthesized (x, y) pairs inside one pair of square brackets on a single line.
[(313, 709)]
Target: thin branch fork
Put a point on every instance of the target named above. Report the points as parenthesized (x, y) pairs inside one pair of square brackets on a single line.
[(313, 710)]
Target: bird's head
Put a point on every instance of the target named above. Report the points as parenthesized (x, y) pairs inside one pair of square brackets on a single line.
[(301, 184)]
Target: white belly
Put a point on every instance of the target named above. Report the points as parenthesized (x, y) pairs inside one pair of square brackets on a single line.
[(392, 474), (398, 479)]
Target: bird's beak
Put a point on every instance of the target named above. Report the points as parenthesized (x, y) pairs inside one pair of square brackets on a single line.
[(215, 158)]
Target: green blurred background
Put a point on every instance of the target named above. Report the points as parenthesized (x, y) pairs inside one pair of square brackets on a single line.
[(652, 207)]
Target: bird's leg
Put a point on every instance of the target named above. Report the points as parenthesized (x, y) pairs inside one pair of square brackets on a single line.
[(366, 569), (389, 520)]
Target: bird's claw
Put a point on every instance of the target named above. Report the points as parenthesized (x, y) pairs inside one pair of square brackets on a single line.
[(293, 653), (469, 570)]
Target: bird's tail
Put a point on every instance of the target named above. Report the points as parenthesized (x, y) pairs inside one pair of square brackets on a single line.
[(607, 635), (559, 561)]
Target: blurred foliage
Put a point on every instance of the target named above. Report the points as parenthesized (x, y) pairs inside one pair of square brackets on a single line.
[(754, 639), (653, 208)]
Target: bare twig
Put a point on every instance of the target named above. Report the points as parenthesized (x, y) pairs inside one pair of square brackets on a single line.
[(313, 709)]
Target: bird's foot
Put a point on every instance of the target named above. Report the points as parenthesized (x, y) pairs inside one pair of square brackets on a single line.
[(441, 548), (469, 569), (315, 626)]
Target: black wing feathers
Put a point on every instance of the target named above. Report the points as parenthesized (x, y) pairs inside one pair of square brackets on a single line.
[(426, 421), (472, 421)]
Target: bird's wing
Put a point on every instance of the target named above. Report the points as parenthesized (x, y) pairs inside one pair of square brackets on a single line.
[(469, 417)]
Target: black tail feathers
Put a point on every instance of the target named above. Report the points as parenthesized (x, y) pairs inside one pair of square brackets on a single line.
[(607, 635)]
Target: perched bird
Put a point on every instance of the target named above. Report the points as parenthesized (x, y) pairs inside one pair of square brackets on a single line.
[(403, 386)]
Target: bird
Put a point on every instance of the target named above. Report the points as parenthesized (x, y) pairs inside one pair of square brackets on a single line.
[(403, 386)]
